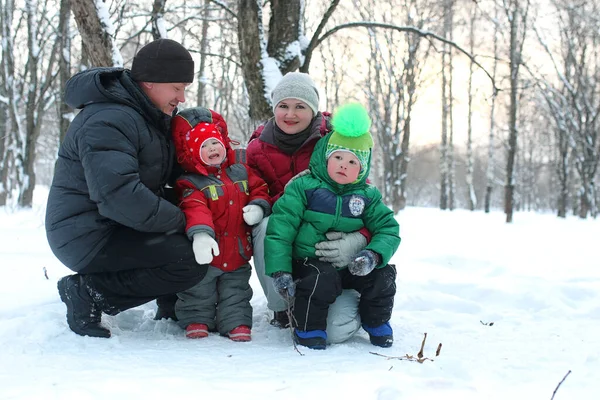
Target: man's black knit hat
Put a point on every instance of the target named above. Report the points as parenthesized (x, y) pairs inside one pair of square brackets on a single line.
[(163, 60)]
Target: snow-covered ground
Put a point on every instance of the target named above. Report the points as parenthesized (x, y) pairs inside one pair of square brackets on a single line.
[(537, 280)]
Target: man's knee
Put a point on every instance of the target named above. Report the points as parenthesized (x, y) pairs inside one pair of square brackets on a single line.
[(343, 320), (187, 271)]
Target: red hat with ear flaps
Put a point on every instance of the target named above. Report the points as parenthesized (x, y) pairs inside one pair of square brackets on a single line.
[(184, 122)]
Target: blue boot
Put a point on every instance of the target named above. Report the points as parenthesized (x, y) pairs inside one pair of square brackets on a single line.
[(316, 340), (382, 335)]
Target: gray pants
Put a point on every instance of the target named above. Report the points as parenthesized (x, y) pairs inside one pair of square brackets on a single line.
[(343, 320), (221, 300)]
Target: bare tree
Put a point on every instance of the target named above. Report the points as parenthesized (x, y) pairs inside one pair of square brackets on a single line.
[(471, 198), (491, 161), (574, 103), (516, 12), (6, 90), (413, 62), (451, 162), (40, 75), (445, 165), (391, 92)]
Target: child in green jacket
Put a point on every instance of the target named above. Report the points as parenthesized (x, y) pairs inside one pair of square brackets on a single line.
[(335, 196)]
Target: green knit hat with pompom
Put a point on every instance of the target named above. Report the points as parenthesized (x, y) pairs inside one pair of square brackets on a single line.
[(351, 125)]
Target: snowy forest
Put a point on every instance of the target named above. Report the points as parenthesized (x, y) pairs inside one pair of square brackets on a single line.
[(476, 104)]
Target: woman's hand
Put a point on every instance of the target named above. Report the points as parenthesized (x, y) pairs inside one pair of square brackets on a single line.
[(340, 248)]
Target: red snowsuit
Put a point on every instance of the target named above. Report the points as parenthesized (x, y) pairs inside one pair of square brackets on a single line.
[(212, 198)]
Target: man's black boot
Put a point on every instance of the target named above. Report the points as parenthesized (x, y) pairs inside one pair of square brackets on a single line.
[(83, 315), (166, 307), (280, 319)]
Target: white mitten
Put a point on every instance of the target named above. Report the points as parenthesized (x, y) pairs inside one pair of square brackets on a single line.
[(204, 247), (253, 214)]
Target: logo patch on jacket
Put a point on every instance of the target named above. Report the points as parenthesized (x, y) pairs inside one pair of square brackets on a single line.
[(356, 205)]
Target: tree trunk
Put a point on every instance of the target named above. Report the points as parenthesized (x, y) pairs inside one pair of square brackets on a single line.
[(411, 74), (250, 42), (444, 145), (31, 118), (200, 100), (444, 142), (404, 160), (563, 173), (158, 10), (471, 199), (491, 161), (97, 43), (3, 147), (451, 166), (6, 91), (284, 30), (515, 60), (64, 62)]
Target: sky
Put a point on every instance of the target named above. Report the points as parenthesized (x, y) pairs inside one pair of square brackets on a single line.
[(515, 306)]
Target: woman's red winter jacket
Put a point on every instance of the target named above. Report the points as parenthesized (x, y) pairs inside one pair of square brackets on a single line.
[(275, 166)]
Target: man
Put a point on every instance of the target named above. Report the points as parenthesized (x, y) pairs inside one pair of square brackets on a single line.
[(107, 218)]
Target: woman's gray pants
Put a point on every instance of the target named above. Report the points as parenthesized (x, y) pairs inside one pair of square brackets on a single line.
[(343, 320)]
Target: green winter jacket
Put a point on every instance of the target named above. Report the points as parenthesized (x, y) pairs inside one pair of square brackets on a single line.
[(314, 204)]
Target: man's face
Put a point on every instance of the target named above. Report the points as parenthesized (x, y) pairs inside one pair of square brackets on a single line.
[(165, 96)]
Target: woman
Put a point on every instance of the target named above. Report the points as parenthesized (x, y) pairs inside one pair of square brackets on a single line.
[(278, 151)]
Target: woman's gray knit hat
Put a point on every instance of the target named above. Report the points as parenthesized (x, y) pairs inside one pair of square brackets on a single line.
[(296, 85)]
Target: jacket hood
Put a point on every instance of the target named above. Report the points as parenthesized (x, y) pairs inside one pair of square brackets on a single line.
[(97, 85), (187, 119), (318, 167), (111, 85)]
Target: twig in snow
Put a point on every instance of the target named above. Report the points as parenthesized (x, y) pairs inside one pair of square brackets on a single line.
[(407, 357), (291, 319), (420, 353), (46, 273), (486, 323), (560, 383)]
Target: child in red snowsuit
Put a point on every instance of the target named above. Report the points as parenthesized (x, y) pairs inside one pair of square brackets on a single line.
[(221, 198)]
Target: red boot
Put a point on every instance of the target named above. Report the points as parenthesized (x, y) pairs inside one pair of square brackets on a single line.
[(196, 331), (240, 334)]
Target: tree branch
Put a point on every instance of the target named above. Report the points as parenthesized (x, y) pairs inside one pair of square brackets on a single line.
[(224, 7), (410, 29), (314, 41)]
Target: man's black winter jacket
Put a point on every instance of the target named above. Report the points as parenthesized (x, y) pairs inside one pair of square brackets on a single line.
[(112, 167)]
